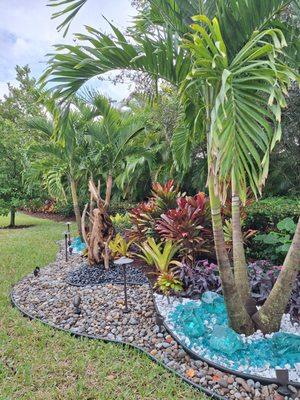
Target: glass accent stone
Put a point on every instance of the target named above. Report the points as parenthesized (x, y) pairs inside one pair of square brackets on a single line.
[(205, 326), (77, 245), (225, 340)]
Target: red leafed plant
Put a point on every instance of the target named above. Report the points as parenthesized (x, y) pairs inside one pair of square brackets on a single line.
[(145, 215), (143, 220), (165, 196), (187, 225)]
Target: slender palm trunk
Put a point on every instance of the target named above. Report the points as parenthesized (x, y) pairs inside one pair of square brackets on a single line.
[(76, 205), (239, 319), (109, 183), (239, 259), (12, 223), (269, 316)]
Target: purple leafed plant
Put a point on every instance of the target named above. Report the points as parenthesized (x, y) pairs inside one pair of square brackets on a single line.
[(262, 274), (202, 277)]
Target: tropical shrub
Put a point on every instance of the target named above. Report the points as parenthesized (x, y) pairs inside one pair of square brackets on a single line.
[(275, 244), (266, 213), (143, 220), (187, 225), (165, 196), (167, 283)]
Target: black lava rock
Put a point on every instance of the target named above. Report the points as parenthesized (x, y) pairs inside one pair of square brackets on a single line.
[(86, 275)]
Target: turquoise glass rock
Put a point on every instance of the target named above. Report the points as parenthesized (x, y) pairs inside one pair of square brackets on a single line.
[(193, 326), (287, 345), (213, 303), (77, 245), (205, 325), (189, 317), (225, 340)]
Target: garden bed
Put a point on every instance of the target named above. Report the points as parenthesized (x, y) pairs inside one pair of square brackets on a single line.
[(49, 298)]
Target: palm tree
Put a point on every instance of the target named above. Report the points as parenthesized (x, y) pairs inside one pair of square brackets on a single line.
[(59, 159), (231, 69), (109, 135)]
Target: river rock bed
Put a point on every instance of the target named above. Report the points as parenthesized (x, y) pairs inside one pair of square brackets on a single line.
[(86, 275), (49, 298)]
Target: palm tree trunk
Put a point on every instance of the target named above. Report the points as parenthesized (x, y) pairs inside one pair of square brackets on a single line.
[(239, 319), (76, 205), (12, 223), (268, 318), (109, 183), (239, 259)]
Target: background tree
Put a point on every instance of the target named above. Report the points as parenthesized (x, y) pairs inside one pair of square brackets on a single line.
[(20, 103)]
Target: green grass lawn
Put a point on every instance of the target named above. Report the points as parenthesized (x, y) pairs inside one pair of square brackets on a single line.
[(37, 362)]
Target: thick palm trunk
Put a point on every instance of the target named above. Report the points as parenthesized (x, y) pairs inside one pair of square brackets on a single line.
[(239, 319), (269, 316), (109, 183), (12, 223), (239, 259), (76, 205)]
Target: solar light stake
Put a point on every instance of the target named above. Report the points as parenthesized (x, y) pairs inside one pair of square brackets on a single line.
[(122, 262), (282, 376), (36, 271), (66, 246), (126, 309), (69, 233), (76, 304)]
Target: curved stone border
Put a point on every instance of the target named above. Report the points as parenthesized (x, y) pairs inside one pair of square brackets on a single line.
[(120, 343), (195, 356)]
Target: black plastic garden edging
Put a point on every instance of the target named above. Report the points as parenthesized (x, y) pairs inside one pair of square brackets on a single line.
[(195, 356), (120, 343)]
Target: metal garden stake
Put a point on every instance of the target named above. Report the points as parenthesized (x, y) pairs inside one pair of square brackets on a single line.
[(66, 245), (122, 262), (69, 233)]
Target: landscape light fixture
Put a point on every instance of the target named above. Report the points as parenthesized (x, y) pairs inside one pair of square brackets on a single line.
[(76, 304), (36, 271), (282, 376), (69, 233), (66, 245), (122, 262)]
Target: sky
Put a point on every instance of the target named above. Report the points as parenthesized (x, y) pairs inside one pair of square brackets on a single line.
[(27, 34)]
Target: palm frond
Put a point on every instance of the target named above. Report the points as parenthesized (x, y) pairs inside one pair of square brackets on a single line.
[(250, 89), (71, 8), (41, 124), (98, 53)]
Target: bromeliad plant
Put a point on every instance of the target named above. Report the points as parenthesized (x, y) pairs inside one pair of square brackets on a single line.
[(165, 196), (146, 214), (187, 225), (161, 255), (119, 246)]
